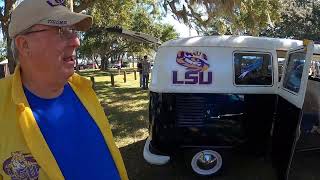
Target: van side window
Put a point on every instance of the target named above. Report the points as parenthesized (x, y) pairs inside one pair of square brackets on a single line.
[(252, 69), (294, 69)]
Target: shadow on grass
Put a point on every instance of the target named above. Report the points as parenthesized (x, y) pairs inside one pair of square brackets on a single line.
[(128, 123), (139, 169), (305, 167), (179, 168), (234, 167)]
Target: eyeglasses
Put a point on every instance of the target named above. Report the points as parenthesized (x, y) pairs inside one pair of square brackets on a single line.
[(64, 32)]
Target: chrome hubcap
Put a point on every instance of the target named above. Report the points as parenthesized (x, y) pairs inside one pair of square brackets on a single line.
[(206, 162)]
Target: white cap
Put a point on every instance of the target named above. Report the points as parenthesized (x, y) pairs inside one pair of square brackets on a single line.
[(46, 12)]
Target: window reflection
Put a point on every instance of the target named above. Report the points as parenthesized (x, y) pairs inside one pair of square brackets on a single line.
[(294, 69), (253, 69)]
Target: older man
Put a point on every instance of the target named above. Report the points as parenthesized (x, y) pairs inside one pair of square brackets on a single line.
[(51, 123)]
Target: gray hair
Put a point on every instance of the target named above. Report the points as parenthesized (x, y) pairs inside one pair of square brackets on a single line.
[(14, 49)]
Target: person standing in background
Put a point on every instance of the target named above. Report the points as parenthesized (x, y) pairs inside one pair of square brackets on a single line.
[(145, 72)]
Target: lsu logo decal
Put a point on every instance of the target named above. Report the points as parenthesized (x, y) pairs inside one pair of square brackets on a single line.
[(195, 61), (196, 64), (21, 166)]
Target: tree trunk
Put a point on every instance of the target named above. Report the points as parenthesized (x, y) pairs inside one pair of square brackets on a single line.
[(4, 18), (71, 5), (102, 64), (11, 62), (96, 61)]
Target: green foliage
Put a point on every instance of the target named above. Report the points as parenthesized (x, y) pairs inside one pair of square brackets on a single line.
[(225, 17), (254, 16), (139, 16), (167, 32), (3, 51), (299, 20), (97, 41)]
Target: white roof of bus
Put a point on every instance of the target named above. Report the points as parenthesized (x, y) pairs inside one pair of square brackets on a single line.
[(238, 42)]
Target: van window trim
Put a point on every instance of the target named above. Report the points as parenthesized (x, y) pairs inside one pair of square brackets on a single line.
[(257, 53), (286, 64)]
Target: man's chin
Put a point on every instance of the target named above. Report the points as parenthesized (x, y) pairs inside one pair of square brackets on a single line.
[(68, 73)]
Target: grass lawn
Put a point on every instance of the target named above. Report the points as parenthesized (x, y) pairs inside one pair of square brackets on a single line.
[(126, 105)]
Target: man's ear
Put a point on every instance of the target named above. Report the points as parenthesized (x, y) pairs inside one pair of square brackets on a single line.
[(22, 45)]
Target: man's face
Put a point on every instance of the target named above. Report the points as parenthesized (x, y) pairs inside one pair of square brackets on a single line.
[(52, 52)]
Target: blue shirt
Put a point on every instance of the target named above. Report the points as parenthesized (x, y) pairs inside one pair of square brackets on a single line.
[(73, 137)]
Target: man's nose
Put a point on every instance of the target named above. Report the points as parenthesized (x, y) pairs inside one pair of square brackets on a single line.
[(74, 42)]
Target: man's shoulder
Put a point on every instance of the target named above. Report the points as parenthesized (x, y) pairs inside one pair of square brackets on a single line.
[(5, 89), (5, 84), (79, 82)]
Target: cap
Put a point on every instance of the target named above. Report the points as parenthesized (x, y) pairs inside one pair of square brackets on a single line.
[(46, 12)]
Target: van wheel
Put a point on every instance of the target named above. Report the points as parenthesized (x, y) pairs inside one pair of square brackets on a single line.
[(206, 162)]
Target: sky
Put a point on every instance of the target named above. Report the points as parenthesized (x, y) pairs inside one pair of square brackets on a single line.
[(182, 29)]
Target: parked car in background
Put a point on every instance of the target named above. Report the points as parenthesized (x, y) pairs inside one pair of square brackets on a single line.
[(117, 65), (125, 64)]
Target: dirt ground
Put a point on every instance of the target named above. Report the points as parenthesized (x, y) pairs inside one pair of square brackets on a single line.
[(305, 167)]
